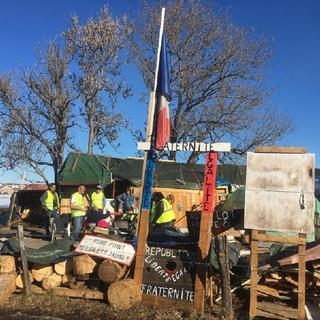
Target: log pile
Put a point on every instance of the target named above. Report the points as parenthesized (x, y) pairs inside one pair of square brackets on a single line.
[(83, 277)]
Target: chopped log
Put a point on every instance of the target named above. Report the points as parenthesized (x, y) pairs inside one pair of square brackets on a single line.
[(124, 294), (63, 267), (83, 264), (39, 272), (52, 281), (76, 284), (316, 264), (111, 272), (19, 280), (7, 264), (66, 278), (7, 287)]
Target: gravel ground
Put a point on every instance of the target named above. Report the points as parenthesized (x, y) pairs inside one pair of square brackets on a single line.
[(49, 307)]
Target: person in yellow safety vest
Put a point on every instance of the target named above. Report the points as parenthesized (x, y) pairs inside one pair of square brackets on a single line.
[(98, 200), (164, 214), (50, 203), (98, 203), (78, 211)]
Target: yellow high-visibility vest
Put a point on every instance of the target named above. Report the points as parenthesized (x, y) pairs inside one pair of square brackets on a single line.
[(97, 200), (153, 211), (168, 214), (79, 203), (48, 198)]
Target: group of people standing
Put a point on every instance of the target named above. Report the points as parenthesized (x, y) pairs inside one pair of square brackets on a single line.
[(161, 213)]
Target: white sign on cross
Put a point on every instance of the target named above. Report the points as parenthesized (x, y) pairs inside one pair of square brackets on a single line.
[(114, 250)]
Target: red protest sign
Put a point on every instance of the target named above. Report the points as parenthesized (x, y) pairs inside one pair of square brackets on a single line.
[(209, 182)]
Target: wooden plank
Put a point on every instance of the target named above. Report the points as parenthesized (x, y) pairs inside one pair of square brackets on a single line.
[(291, 280), (83, 293), (7, 287), (79, 293), (273, 149), (161, 301), (254, 275), (25, 274), (268, 291), (302, 279), (269, 238), (142, 240), (275, 311), (205, 232)]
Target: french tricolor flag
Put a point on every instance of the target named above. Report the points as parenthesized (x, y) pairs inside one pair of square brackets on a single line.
[(163, 98)]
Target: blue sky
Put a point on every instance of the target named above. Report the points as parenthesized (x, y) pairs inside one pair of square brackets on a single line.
[(292, 26)]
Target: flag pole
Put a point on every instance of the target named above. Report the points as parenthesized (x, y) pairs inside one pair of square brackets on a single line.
[(143, 219)]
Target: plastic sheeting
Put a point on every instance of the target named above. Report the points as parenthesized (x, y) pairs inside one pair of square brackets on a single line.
[(45, 255)]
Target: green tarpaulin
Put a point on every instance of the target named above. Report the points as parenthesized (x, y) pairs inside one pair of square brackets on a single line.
[(47, 254), (92, 169)]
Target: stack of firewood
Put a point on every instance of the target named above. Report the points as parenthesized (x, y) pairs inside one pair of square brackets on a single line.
[(81, 276)]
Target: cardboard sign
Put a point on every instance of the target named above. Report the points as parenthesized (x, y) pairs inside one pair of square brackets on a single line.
[(114, 250), (209, 182)]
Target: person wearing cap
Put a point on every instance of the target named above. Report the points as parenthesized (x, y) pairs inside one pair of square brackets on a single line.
[(98, 200), (50, 203)]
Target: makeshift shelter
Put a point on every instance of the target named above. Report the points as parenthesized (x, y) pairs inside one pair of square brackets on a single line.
[(183, 181)]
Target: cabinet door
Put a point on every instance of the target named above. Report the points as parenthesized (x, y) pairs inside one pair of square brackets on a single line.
[(280, 192)]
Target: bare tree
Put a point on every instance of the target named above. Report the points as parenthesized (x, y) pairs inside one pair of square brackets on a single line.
[(36, 113), (96, 47), (217, 73)]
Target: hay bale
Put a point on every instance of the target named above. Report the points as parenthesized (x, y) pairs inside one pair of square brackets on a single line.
[(7, 264), (52, 281), (110, 271), (83, 264), (124, 294), (63, 267), (19, 280), (39, 272)]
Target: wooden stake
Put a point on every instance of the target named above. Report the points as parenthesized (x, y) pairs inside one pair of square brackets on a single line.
[(205, 236), (254, 275), (12, 205), (26, 279), (143, 218), (302, 278), (221, 246)]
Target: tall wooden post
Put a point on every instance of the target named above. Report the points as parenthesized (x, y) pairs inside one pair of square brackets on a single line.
[(205, 235), (143, 220)]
